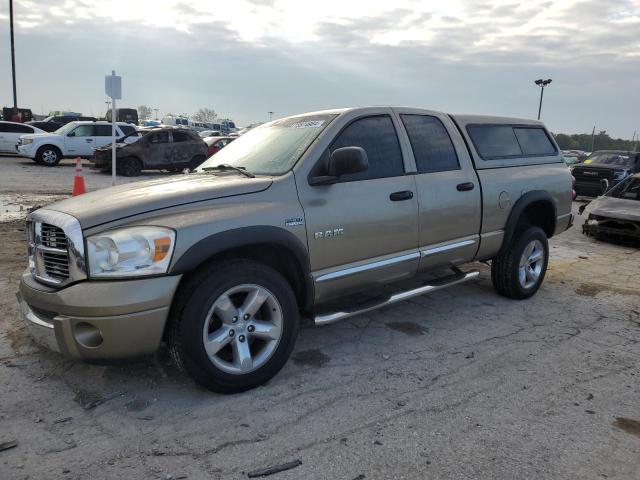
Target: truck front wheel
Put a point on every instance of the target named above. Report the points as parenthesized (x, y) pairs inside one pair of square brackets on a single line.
[(233, 325), (518, 271)]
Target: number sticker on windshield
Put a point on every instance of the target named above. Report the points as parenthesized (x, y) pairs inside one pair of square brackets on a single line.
[(308, 124)]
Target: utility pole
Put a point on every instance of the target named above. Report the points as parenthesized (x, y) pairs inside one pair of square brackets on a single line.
[(156, 110), (270, 115), (593, 137), (13, 55), (541, 83)]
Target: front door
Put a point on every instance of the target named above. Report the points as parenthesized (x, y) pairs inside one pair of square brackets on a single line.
[(80, 141), (363, 230), (447, 188), (157, 149)]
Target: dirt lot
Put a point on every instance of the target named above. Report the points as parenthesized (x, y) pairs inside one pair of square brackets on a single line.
[(459, 384)]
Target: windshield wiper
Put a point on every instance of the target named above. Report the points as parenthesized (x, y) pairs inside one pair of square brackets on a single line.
[(226, 166)]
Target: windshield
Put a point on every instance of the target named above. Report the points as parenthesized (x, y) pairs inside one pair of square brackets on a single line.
[(273, 148), (66, 128), (608, 158), (628, 189)]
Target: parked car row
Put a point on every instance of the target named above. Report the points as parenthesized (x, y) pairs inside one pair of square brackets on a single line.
[(604, 169)]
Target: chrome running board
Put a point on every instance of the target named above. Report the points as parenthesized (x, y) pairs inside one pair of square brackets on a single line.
[(326, 318)]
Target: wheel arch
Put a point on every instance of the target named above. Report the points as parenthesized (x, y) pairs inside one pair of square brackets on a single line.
[(273, 246), (533, 208)]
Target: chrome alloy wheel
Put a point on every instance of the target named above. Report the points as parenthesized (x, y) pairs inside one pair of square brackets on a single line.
[(242, 329), (531, 263), (49, 156)]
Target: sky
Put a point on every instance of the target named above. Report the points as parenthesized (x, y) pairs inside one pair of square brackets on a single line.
[(244, 58)]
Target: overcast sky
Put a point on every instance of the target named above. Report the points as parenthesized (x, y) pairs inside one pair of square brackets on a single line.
[(246, 57)]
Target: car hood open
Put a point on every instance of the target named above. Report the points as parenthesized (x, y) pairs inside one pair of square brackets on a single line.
[(99, 207)]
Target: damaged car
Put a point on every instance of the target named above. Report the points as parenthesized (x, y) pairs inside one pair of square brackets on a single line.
[(610, 165), (165, 148), (616, 214)]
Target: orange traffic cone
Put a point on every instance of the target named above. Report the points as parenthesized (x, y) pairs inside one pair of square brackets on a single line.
[(78, 180)]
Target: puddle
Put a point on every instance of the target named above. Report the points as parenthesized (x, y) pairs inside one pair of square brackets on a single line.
[(310, 358), (16, 206), (408, 328), (628, 425)]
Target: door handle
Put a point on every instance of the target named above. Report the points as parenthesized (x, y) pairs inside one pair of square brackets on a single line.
[(464, 187), (399, 196)]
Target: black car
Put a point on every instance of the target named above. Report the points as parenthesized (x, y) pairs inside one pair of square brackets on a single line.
[(54, 122), (604, 169), (164, 148)]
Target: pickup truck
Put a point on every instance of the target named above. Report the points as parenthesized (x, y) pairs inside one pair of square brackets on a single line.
[(327, 214)]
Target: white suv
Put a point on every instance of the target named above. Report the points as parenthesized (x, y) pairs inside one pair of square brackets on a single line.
[(75, 139)]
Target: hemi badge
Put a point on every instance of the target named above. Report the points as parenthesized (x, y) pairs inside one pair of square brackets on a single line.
[(293, 222)]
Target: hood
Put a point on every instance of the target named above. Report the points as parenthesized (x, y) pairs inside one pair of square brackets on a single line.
[(38, 135), (96, 208), (612, 207)]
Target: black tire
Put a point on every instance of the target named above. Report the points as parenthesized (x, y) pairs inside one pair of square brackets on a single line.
[(130, 166), (48, 155), (196, 162), (189, 313), (505, 268)]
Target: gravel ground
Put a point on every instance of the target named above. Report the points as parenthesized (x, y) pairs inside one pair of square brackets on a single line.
[(459, 384)]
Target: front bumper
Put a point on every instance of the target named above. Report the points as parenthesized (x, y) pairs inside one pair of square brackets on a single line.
[(26, 150), (98, 320), (618, 229)]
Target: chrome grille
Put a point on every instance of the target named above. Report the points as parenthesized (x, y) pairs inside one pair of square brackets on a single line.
[(56, 251)]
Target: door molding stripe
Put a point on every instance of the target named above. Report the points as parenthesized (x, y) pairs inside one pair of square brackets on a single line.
[(425, 252), (367, 266)]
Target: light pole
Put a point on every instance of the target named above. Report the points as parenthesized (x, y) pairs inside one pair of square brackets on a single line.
[(541, 83), (156, 110), (13, 55), (270, 115)]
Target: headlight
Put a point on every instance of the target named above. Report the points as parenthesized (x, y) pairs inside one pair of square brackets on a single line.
[(620, 175), (27, 141), (130, 252)]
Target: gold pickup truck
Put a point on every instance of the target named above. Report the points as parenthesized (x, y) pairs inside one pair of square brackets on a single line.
[(329, 214)]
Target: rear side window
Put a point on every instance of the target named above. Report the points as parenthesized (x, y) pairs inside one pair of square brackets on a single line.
[(377, 136), (431, 144), (127, 129), (159, 137), (504, 141), (181, 137), (534, 141), (13, 128), (102, 130)]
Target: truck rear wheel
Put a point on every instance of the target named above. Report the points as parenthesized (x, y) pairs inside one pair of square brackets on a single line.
[(519, 270), (233, 325)]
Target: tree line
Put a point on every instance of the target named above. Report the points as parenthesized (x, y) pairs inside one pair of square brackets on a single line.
[(600, 141)]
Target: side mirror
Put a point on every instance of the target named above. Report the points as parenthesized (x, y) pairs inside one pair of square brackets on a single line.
[(604, 183), (71, 134), (343, 161)]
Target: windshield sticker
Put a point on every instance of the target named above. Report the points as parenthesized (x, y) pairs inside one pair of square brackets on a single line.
[(308, 124)]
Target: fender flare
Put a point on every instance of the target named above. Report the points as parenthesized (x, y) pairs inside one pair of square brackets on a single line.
[(217, 243), (521, 204)]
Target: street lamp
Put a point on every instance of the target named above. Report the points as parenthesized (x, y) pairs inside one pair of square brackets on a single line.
[(541, 83), (270, 115)]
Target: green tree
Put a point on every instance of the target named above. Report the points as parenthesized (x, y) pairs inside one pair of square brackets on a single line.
[(144, 112), (204, 115), (601, 141)]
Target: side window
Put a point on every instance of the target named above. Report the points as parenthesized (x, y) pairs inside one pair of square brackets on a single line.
[(159, 137), (127, 129), (102, 130), (5, 127), (377, 136), (534, 141), (494, 141), (431, 144), (83, 131), (181, 137)]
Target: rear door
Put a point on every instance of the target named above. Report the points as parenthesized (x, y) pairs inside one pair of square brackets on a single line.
[(157, 149), (102, 135), (362, 230), (447, 189), (182, 148)]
